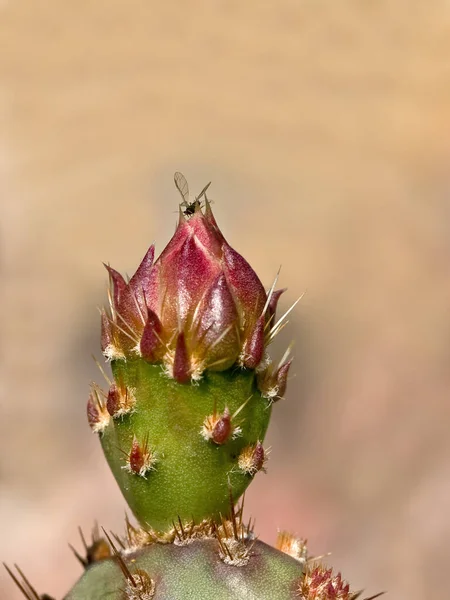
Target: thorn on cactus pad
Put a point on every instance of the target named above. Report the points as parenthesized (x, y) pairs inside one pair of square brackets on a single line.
[(235, 539), (282, 322), (24, 585), (253, 458), (272, 380), (136, 537), (121, 400), (140, 586), (97, 413), (235, 542), (294, 546), (219, 428), (140, 459)]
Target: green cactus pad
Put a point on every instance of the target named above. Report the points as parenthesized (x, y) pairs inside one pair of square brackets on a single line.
[(188, 476), (194, 572)]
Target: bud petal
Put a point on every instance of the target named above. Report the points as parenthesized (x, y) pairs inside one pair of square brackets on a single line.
[(213, 227), (151, 345), (207, 233), (194, 271), (133, 304), (141, 279), (245, 285), (216, 336), (118, 283)]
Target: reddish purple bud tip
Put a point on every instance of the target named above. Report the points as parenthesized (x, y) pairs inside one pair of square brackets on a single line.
[(273, 303), (113, 400), (136, 458), (259, 456), (254, 347), (282, 376), (93, 413), (181, 363), (222, 429), (252, 459), (118, 283), (140, 459)]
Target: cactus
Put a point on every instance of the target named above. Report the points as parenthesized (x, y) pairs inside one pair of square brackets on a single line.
[(182, 425)]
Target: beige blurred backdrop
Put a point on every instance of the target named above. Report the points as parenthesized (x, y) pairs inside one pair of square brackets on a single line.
[(324, 127)]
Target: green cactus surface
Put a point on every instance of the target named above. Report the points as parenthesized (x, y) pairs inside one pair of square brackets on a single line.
[(192, 572), (188, 475)]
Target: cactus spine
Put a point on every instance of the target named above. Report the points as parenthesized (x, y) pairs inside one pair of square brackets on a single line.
[(182, 425)]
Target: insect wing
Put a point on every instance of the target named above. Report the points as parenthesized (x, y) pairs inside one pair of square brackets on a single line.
[(182, 186)]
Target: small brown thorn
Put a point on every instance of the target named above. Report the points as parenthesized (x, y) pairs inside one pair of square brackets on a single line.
[(141, 586), (115, 324), (122, 564), (78, 556), (101, 369), (119, 541), (24, 586), (83, 540), (181, 527), (232, 512), (177, 534)]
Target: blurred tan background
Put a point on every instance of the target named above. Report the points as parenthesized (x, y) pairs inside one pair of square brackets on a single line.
[(324, 127)]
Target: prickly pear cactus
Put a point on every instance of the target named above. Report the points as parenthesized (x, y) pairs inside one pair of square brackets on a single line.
[(182, 425)]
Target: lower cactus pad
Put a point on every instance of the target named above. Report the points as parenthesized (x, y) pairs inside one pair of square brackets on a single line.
[(196, 571)]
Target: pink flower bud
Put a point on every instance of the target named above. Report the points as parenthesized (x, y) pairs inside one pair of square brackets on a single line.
[(199, 306)]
